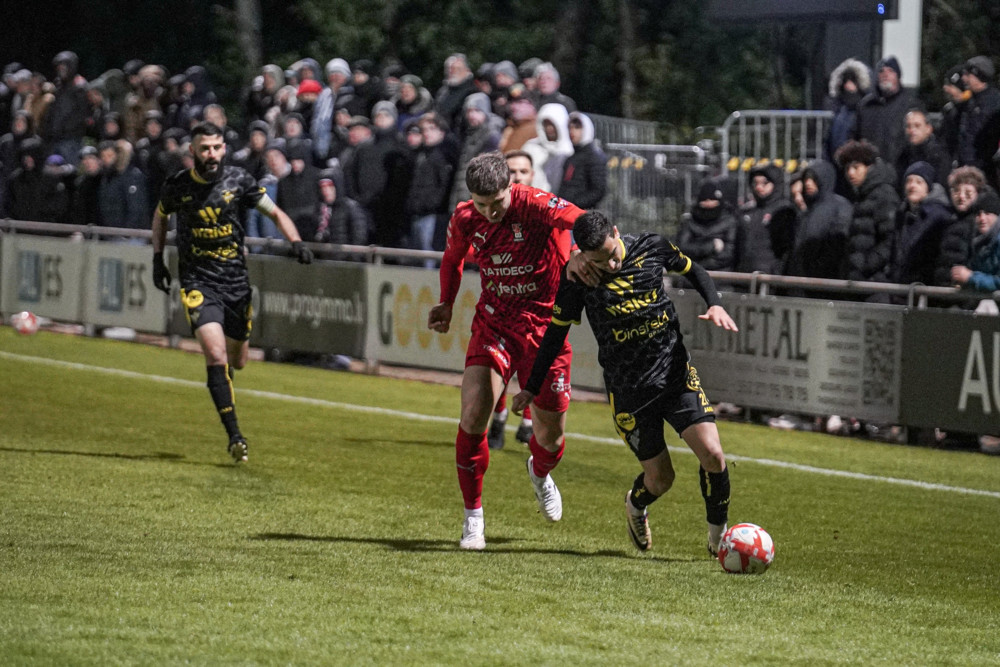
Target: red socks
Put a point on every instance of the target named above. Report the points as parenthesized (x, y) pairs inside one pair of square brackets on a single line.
[(544, 460), (472, 458)]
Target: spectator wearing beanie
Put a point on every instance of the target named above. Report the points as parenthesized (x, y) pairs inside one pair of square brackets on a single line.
[(338, 76), (412, 100), (767, 225), (480, 133), (709, 231), (340, 219), (882, 111), (305, 100), (979, 126), (920, 222)]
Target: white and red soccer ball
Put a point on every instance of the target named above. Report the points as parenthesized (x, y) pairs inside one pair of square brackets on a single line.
[(24, 322), (746, 548)]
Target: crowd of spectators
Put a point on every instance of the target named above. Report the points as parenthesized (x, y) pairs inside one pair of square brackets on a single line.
[(354, 153), (894, 200)]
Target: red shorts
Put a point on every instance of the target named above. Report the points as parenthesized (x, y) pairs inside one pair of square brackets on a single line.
[(509, 352)]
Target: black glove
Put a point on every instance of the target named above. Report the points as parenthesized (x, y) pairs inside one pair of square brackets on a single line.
[(161, 276), (304, 254)]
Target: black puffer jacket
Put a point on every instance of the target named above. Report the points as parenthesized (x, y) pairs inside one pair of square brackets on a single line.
[(767, 227), (710, 239), (821, 233), (916, 242), (869, 239)]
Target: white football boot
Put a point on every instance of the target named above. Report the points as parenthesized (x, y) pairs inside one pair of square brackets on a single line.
[(547, 494), (473, 536), (638, 525)]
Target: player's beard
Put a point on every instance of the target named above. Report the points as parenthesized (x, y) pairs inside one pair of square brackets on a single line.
[(203, 168)]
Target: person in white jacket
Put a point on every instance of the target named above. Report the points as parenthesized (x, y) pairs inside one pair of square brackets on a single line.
[(551, 147)]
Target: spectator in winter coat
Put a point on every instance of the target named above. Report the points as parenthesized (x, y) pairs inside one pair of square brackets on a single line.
[(146, 97), (459, 83), (548, 80), (821, 231), (521, 115), (873, 195), (951, 114), (433, 175), (66, 117), (551, 146), (412, 100), (882, 111), (585, 173), (263, 92), (368, 88), (480, 134), (32, 194), (338, 76), (920, 223), (251, 157), (965, 185), (767, 226), (276, 159), (149, 157), (709, 232), (339, 219), (983, 271), (979, 125), (922, 146), (122, 193), (298, 191), (85, 206), (850, 81)]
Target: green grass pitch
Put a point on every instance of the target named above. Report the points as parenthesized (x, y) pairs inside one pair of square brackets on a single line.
[(127, 536)]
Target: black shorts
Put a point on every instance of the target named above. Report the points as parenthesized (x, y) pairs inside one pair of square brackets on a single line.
[(682, 403), (203, 305)]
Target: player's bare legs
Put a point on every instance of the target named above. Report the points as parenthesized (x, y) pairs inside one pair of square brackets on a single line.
[(547, 444), (703, 439), (219, 352)]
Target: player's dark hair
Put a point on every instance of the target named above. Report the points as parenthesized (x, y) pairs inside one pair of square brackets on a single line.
[(206, 129), (487, 174), (591, 229)]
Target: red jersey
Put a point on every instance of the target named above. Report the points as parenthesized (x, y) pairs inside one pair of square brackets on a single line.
[(520, 258)]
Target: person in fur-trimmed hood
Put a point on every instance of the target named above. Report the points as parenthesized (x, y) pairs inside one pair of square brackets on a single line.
[(849, 82)]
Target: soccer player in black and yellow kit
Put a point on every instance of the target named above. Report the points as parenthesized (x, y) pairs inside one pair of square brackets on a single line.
[(646, 368), (211, 201)]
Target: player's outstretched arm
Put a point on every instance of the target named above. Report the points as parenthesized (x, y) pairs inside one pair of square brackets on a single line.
[(287, 229), (718, 316)]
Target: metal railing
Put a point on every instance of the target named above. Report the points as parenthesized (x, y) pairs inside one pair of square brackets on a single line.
[(916, 294), (651, 185), (612, 130)]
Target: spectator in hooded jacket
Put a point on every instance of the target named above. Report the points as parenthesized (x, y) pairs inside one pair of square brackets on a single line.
[(66, 117), (122, 194), (480, 133), (920, 222), (368, 87), (338, 77), (584, 179), (263, 91), (881, 113), (822, 228), (251, 157), (874, 199), (298, 191), (521, 115), (767, 225), (983, 270), (85, 206), (412, 100), (922, 146), (709, 231), (965, 185), (197, 94), (339, 219), (850, 81), (551, 146), (144, 98), (979, 125)]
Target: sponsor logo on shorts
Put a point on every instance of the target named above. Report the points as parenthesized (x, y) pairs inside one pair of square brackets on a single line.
[(625, 421), (498, 355)]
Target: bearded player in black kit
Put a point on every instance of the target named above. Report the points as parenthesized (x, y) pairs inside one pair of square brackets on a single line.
[(211, 202)]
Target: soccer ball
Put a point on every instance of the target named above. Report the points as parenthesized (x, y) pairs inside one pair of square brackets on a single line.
[(746, 548), (24, 322)]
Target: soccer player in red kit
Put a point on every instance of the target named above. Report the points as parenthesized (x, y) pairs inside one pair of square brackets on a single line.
[(520, 238)]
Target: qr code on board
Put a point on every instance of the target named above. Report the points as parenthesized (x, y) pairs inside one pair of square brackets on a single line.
[(879, 370)]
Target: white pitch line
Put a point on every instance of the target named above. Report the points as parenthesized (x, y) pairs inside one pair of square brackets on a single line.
[(416, 416)]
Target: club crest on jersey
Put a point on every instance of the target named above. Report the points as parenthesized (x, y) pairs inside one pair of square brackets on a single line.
[(558, 202), (227, 196), (516, 228)]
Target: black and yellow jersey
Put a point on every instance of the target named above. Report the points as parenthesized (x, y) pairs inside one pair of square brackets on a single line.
[(210, 226), (639, 340)]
